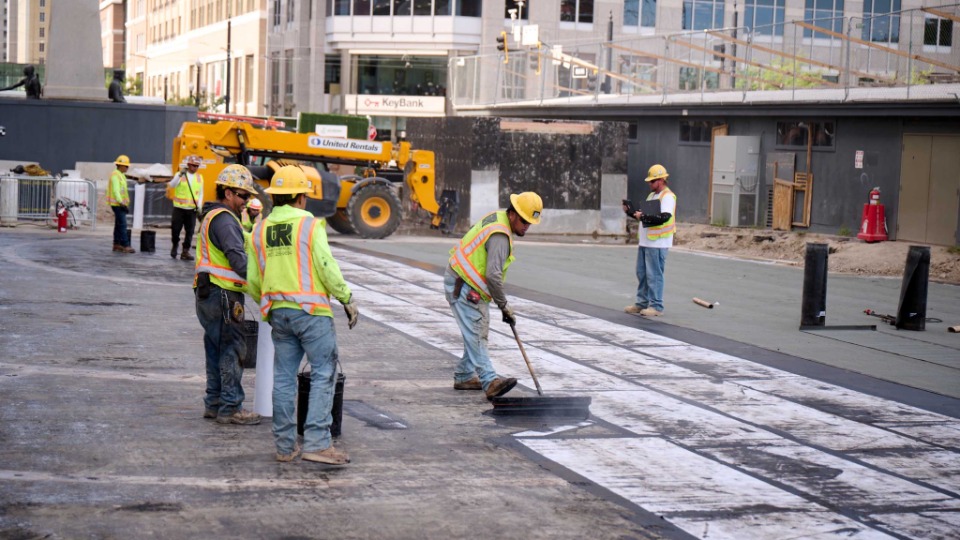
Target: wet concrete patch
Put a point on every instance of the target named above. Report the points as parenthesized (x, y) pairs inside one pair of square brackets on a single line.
[(152, 507)]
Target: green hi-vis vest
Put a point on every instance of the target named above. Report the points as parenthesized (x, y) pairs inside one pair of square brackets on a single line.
[(182, 196), (469, 259), (117, 189), (290, 280), (246, 223), (213, 261), (666, 229)]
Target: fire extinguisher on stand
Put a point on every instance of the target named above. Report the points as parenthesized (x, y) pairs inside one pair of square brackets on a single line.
[(61, 217), (873, 225)]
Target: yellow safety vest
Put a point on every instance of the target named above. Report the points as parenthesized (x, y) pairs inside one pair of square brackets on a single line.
[(290, 280), (182, 196), (664, 230), (469, 259), (213, 261), (117, 189), (246, 222)]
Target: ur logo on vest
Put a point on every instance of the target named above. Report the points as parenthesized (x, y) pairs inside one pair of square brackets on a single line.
[(280, 235)]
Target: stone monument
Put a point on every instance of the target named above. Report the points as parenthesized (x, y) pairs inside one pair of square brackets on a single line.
[(75, 59)]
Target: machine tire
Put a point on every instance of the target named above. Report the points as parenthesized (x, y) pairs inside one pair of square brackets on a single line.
[(374, 211), (340, 222)]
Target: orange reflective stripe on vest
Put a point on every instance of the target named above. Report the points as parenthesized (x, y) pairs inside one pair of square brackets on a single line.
[(213, 261)]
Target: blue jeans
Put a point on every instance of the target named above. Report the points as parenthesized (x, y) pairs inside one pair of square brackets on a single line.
[(120, 236), (296, 332), (474, 322), (650, 265), (223, 343)]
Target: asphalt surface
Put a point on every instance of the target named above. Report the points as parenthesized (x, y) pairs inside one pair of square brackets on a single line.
[(721, 423)]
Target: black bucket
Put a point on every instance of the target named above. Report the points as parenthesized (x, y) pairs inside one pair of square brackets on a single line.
[(148, 241), (251, 331), (303, 402)]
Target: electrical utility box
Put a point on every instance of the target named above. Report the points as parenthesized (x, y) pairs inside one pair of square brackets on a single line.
[(736, 180)]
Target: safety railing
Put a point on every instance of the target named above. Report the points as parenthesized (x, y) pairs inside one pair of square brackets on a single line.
[(909, 51), (36, 198)]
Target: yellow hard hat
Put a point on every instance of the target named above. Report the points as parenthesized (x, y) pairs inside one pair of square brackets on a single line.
[(289, 180), (237, 177), (255, 204), (122, 160), (529, 205), (656, 172)]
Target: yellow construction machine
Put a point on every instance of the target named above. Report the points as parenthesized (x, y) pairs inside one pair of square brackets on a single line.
[(367, 203)]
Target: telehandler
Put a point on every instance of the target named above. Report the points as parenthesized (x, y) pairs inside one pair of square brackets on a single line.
[(367, 204)]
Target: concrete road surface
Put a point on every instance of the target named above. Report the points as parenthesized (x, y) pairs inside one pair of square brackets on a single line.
[(696, 432)]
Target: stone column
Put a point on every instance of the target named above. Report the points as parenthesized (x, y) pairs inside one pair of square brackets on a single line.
[(74, 68)]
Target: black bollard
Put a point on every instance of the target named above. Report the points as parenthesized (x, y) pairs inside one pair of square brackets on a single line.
[(912, 311), (813, 311)]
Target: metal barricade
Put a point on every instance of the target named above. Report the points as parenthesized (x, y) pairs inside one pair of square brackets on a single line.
[(35, 198)]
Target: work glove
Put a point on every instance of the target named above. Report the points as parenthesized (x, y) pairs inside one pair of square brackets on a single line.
[(508, 316), (353, 314)]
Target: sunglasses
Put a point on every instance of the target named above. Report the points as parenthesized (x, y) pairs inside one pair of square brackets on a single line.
[(242, 194)]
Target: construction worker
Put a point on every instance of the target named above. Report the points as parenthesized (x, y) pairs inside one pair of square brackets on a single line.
[(119, 200), (219, 281), (292, 276), (655, 238), (254, 207), (474, 277), (187, 202)]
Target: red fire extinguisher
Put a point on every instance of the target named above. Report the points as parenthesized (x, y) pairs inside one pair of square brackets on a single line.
[(61, 217), (873, 224)]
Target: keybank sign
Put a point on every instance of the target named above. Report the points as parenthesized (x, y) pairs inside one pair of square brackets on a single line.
[(364, 104), (347, 145)]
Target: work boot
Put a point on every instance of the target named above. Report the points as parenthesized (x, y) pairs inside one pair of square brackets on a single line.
[(330, 456), (650, 312), (472, 384), (241, 417), (210, 413), (500, 386), (117, 247), (128, 249), (173, 251), (635, 309), (185, 254), (284, 458)]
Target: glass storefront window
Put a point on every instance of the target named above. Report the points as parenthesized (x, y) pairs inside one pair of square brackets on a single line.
[(402, 75)]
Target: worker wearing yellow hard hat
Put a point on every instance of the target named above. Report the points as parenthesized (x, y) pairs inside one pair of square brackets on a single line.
[(655, 238), (220, 277), (474, 277), (293, 275), (118, 197)]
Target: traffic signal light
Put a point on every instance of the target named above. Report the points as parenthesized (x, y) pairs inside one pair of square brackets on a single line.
[(502, 46)]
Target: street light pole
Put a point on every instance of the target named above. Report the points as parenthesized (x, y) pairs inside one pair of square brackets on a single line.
[(227, 96), (197, 95)]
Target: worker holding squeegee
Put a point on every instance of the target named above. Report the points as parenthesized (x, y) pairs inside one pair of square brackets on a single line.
[(474, 277)]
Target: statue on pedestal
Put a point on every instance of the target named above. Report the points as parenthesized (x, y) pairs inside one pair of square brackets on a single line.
[(116, 87), (31, 81)]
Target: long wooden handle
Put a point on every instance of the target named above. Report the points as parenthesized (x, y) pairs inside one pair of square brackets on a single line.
[(527, 360)]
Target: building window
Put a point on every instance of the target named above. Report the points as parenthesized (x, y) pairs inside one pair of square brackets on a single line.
[(471, 8), (515, 78), (794, 134), (580, 11), (441, 7), (881, 21), (331, 74), (43, 3), (401, 75), (401, 7), (764, 17), (520, 13), (936, 32), (640, 13), (43, 31), (702, 14), (42, 47), (825, 14), (43, 17), (641, 70), (341, 7), (276, 13), (697, 79), (362, 7), (248, 79), (291, 9), (422, 7), (274, 83), (697, 131), (288, 104), (381, 7)]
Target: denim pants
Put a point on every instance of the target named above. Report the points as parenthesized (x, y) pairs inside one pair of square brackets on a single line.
[(650, 265), (296, 332), (120, 236), (474, 322), (224, 344)]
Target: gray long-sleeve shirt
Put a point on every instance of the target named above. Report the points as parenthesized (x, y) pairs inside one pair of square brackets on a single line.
[(227, 235)]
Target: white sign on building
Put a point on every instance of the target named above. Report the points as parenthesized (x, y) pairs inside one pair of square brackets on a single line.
[(372, 105)]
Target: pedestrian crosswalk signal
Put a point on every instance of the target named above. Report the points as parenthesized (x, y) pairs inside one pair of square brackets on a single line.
[(502, 46)]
